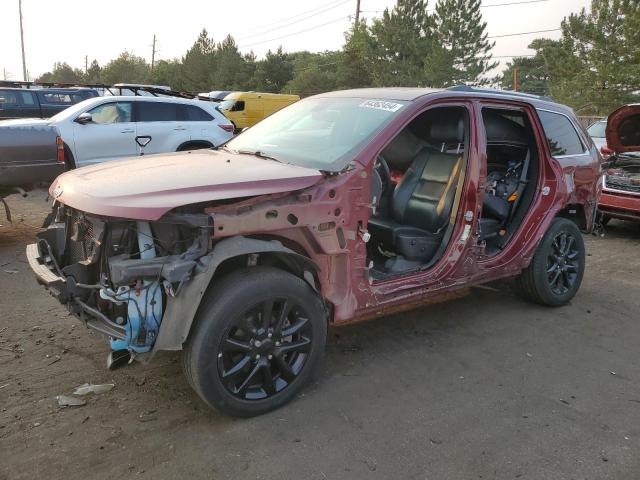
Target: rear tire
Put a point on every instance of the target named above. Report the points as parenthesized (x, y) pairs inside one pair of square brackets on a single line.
[(555, 273), (256, 341)]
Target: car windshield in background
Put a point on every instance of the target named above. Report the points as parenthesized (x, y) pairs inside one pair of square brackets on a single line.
[(226, 104), (322, 133), (597, 130)]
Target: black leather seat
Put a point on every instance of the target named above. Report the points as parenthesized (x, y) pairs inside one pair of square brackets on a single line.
[(422, 201)]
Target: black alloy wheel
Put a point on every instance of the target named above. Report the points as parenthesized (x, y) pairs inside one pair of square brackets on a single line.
[(265, 349), (562, 263), (257, 339), (555, 273)]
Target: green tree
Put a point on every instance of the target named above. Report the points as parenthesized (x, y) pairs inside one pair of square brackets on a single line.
[(595, 66), (462, 52), (313, 73), (354, 65), (231, 70), (401, 40), (532, 75), (94, 73), (127, 68), (62, 73), (273, 73), (169, 73), (198, 64)]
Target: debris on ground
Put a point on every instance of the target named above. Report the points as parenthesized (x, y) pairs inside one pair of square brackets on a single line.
[(66, 401), (91, 388), (11, 272)]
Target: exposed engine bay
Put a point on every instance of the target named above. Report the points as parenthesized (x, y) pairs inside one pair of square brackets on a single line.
[(116, 275), (623, 173)]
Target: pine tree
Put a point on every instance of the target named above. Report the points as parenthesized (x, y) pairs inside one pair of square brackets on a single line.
[(354, 64), (462, 54), (401, 40), (273, 73), (595, 66), (532, 75), (198, 64)]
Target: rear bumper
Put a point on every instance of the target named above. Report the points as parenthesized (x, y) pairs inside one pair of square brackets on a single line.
[(17, 175), (620, 205)]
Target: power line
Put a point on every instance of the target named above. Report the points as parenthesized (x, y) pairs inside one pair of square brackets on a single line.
[(295, 33), (525, 33), (305, 16), (521, 2)]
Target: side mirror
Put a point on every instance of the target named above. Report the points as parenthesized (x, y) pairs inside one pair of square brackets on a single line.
[(84, 118)]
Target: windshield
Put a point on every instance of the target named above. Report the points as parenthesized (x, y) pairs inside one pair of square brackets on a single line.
[(321, 133), (226, 104), (597, 130)]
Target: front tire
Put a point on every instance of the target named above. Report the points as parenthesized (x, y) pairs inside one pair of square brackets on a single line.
[(257, 340), (555, 273)]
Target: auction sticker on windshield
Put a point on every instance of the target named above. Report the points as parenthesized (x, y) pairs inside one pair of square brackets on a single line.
[(382, 105)]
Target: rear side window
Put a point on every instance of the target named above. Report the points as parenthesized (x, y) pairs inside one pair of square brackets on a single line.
[(27, 98), (157, 112), (561, 134), (57, 98), (191, 113), (8, 97)]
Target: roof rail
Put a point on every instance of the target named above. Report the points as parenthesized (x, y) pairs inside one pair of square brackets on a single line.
[(155, 90), (494, 91)]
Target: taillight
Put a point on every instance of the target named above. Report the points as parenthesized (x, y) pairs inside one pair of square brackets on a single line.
[(227, 127), (606, 151), (60, 146)]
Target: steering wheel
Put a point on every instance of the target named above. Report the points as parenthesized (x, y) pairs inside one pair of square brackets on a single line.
[(382, 169)]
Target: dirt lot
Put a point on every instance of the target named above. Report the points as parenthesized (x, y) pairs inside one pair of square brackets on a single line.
[(483, 387)]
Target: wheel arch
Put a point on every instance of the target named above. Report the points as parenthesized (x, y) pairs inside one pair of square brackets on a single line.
[(227, 255), (197, 144)]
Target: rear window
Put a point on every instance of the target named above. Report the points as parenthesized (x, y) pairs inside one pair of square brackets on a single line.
[(191, 113), (561, 134), (27, 98), (157, 112)]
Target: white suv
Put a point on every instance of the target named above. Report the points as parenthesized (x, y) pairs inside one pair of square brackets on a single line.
[(105, 128)]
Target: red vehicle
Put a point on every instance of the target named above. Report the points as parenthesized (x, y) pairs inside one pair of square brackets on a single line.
[(621, 180), (340, 207)]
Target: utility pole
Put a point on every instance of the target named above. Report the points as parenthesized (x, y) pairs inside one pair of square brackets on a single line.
[(24, 63), (357, 11), (153, 52), (516, 78), (86, 64)]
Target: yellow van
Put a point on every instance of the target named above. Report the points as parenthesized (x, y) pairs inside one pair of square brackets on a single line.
[(245, 109)]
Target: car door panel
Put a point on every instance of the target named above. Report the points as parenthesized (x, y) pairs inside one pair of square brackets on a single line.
[(111, 134)]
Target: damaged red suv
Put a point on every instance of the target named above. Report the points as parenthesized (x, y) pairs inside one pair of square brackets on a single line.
[(343, 206), (621, 180)]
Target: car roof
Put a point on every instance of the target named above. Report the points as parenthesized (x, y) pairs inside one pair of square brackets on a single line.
[(143, 98), (461, 91), (50, 90)]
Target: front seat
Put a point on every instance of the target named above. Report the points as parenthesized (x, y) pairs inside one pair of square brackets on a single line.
[(422, 201)]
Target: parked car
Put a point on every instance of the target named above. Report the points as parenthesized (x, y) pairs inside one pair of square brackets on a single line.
[(40, 103), (242, 255), (214, 96), (29, 155), (105, 128), (621, 180), (245, 109), (597, 133)]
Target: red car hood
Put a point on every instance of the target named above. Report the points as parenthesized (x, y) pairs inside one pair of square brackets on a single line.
[(623, 129), (145, 188)]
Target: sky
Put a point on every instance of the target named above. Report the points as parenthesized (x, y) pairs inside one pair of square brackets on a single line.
[(69, 30)]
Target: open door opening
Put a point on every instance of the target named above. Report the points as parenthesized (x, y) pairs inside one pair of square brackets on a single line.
[(512, 173), (416, 187)]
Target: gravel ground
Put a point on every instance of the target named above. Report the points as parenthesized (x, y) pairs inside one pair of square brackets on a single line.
[(486, 386)]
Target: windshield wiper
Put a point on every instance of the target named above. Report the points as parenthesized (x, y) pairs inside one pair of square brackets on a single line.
[(258, 154)]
